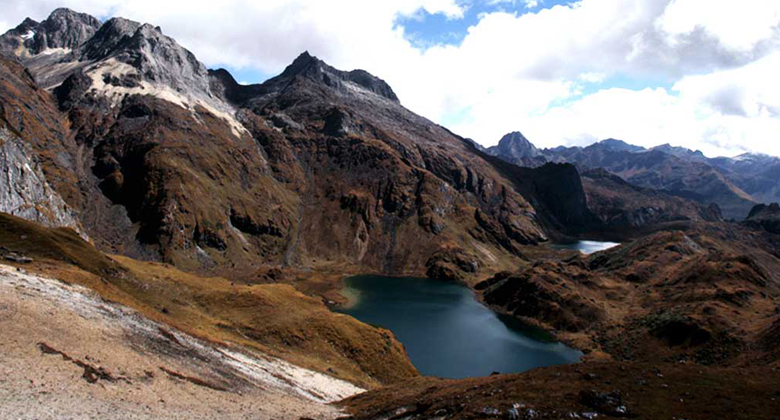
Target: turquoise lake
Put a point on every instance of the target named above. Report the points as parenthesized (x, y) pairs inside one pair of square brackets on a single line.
[(446, 332)]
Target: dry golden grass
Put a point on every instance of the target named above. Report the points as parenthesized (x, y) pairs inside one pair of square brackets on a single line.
[(273, 318)]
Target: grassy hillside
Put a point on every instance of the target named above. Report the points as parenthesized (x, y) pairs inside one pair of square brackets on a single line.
[(275, 318)]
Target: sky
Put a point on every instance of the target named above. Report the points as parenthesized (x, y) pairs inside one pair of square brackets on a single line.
[(702, 74)]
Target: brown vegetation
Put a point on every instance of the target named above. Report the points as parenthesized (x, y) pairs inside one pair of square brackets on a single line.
[(273, 318), (590, 390), (705, 294)]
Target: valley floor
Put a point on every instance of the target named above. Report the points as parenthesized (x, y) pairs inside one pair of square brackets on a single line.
[(66, 353)]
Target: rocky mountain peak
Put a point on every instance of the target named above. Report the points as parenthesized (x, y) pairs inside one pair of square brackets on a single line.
[(27, 28), (313, 69), (64, 28), (302, 64), (680, 152), (144, 47), (517, 145), (619, 146), (114, 32), (125, 56), (162, 59)]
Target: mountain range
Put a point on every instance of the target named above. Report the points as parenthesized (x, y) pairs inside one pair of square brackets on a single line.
[(734, 184), (173, 240), (314, 166)]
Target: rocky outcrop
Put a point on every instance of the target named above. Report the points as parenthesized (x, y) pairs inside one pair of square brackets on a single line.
[(765, 217), (64, 29), (536, 294), (451, 264), (579, 391), (24, 191)]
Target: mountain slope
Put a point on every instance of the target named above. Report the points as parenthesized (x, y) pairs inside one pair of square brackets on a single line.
[(315, 167), (704, 293), (624, 207), (273, 319)]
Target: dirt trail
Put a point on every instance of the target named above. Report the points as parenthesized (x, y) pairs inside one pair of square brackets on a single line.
[(66, 353)]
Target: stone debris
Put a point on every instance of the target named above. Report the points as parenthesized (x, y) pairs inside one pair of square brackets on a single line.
[(610, 403)]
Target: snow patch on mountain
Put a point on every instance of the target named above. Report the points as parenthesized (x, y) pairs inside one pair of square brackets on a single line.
[(104, 70), (52, 51)]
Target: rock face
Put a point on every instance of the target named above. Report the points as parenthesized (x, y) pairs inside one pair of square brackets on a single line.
[(517, 149), (315, 166), (30, 187), (733, 184), (766, 217), (64, 29), (24, 191)]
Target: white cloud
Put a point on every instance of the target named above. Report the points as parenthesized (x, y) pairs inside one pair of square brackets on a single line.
[(751, 91), (739, 25), (724, 112), (513, 71), (592, 77)]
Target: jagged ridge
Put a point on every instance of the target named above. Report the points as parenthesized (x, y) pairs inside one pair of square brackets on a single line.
[(314, 166)]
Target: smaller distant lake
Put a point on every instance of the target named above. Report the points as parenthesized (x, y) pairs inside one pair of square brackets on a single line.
[(587, 247), (446, 332)]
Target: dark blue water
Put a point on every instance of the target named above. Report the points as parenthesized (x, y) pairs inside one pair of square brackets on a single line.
[(447, 333), (587, 247)]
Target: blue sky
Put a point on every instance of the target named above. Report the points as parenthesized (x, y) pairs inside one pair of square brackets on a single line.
[(425, 29)]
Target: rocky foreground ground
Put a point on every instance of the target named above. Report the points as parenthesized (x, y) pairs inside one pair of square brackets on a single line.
[(66, 353)]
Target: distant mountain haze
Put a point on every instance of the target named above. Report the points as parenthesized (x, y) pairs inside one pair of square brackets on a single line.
[(734, 184)]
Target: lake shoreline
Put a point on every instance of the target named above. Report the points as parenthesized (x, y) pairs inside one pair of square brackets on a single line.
[(432, 318)]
